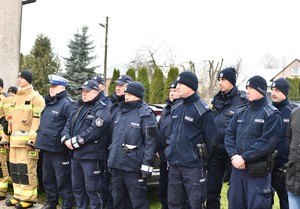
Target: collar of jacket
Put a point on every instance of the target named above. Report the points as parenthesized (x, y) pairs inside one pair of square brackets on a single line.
[(25, 90), (282, 104), (89, 103), (256, 104), (57, 97), (132, 105), (191, 99)]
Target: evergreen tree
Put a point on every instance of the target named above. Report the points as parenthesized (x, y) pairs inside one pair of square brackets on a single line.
[(156, 87), (294, 94), (131, 73), (144, 79), (172, 76), (78, 65), (42, 61), (112, 85)]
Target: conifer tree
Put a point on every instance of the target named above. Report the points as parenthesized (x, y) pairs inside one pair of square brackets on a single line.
[(78, 65), (131, 73), (112, 85), (294, 94), (41, 61), (156, 87), (144, 79), (172, 76)]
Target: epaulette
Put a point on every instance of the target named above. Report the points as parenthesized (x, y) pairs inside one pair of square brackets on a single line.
[(145, 110), (70, 99), (202, 107), (270, 109), (242, 107), (292, 106), (243, 94)]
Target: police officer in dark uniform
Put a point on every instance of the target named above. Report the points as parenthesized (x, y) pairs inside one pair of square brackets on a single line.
[(131, 157), (164, 130), (280, 89), (250, 139), (85, 135), (56, 159), (101, 83), (116, 99), (193, 139), (224, 105)]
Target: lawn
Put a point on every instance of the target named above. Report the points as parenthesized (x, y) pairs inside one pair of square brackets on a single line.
[(155, 204)]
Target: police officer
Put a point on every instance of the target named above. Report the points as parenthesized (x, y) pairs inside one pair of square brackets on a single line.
[(101, 84), (116, 99), (56, 160), (24, 119), (224, 105), (85, 135), (280, 89), (164, 130), (250, 139), (3, 152), (193, 140), (131, 157), (119, 94)]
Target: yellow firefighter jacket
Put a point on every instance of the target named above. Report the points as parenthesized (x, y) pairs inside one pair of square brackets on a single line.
[(24, 117)]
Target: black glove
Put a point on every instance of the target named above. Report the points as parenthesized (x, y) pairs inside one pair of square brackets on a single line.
[(146, 175), (4, 123)]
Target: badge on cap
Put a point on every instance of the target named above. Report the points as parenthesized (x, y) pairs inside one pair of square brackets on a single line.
[(99, 122), (221, 75)]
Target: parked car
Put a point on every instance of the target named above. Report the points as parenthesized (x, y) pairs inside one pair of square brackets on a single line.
[(153, 181)]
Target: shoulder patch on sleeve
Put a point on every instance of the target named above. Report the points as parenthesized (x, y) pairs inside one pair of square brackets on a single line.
[(99, 122)]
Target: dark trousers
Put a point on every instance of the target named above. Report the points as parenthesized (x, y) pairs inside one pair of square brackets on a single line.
[(57, 179), (129, 184), (163, 184), (185, 182), (87, 177), (219, 168), (278, 183), (248, 192)]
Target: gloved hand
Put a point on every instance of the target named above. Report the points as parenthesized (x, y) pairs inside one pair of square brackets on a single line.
[(146, 175)]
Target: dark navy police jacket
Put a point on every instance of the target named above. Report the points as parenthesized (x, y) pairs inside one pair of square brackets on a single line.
[(286, 108), (192, 123), (89, 125), (135, 126), (254, 131), (53, 119)]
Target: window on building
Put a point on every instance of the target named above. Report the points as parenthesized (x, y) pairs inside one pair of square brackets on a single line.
[(295, 71)]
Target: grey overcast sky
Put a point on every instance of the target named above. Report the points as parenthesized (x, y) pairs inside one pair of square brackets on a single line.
[(194, 30)]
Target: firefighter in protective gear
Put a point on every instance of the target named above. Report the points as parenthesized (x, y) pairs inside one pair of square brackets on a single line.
[(24, 119), (3, 152)]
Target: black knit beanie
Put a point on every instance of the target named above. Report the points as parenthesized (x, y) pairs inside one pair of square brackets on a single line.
[(228, 74), (189, 79), (27, 75), (135, 88), (258, 83), (283, 85)]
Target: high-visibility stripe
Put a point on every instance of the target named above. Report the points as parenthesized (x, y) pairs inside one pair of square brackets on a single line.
[(24, 138), (26, 193), (3, 185), (16, 107), (20, 133), (147, 168)]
